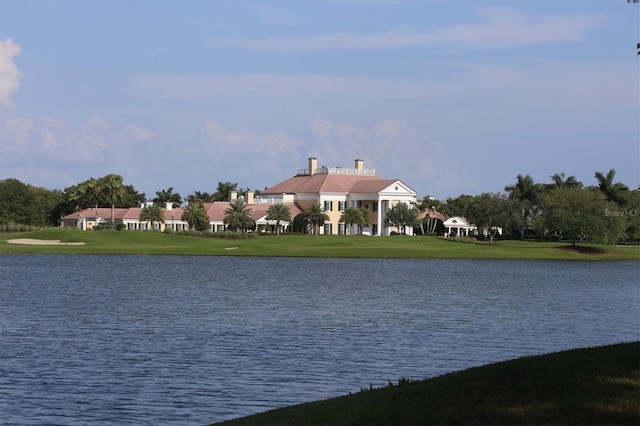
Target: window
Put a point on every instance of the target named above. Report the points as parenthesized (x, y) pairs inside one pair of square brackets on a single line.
[(327, 229), (375, 206), (143, 226), (131, 226), (328, 205), (341, 229), (374, 229), (341, 205)]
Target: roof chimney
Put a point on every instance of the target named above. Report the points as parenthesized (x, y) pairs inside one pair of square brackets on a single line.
[(233, 195), (359, 165), (313, 165), (249, 197), (168, 205)]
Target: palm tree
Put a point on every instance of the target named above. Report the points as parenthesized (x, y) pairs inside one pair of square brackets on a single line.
[(152, 213), (238, 216), (354, 215), (422, 206), (224, 190), (205, 197), (115, 190), (167, 195), (95, 187), (524, 191), (77, 196), (614, 192), (316, 216), (196, 217), (278, 212), (559, 181)]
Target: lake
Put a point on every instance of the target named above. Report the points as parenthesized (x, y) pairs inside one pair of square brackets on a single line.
[(194, 340)]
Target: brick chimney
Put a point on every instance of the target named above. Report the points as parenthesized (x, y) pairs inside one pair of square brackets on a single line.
[(359, 165)]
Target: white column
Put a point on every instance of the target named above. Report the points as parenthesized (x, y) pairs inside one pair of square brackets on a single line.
[(379, 217)]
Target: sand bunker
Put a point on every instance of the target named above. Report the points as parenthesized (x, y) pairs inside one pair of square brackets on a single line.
[(33, 242)]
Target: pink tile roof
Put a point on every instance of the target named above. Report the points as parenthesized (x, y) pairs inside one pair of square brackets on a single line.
[(323, 183), (215, 210), (131, 213)]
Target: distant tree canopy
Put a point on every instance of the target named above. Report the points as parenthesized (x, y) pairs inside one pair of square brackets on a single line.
[(21, 203), (95, 192)]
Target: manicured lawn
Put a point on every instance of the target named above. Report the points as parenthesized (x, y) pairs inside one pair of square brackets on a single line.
[(594, 386), (124, 242)]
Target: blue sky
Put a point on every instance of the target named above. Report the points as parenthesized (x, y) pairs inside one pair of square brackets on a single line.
[(450, 97)]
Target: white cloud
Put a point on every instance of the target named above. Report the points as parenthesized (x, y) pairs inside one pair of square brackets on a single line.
[(16, 131), (10, 76), (51, 131), (239, 141), (140, 134), (395, 150), (499, 28), (95, 123), (226, 139)]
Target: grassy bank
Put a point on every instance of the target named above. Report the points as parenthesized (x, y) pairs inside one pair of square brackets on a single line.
[(111, 242), (594, 386)]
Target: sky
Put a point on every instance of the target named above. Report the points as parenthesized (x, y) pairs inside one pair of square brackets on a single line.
[(450, 97)]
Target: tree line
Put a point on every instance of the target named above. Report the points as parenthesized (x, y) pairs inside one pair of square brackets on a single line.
[(562, 209)]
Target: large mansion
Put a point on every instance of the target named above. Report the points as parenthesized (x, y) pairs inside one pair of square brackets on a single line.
[(333, 188)]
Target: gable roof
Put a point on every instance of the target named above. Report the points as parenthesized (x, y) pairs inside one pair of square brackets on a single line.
[(458, 221)]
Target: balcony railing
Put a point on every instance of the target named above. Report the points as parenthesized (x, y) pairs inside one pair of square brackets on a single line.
[(338, 171)]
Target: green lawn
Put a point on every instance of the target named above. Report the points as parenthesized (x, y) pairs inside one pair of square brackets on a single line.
[(124, 242), (595, 386)]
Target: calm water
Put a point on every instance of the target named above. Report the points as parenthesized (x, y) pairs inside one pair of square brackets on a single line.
[(193, 340)]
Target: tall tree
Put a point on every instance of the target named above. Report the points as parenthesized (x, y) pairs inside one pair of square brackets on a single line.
[(316, 216), (168, 196), (458, 206), (614, 192), (153, 214), (279, 212), (489, 212), (524, 191), (238, 216), (94, 189), (77, 197), (115, 190), (401, 215), (577, 214), (196, 217), (422, 206)]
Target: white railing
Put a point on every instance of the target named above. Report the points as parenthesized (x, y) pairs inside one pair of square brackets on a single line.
[(270, 200), (339, 171)]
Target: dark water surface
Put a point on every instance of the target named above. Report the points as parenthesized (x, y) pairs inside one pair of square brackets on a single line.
[(193, 340)]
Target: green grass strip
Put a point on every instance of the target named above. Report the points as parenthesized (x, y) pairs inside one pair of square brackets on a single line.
[(593, 386)]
